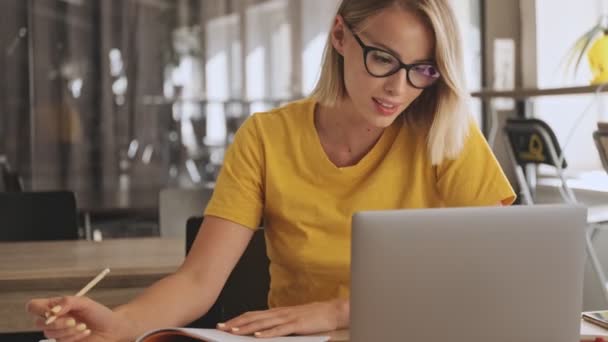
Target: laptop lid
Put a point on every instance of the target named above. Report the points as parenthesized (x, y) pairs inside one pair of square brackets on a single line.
[(468, 274)]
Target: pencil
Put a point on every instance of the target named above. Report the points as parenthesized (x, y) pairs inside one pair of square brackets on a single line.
[(92, 283), (84, 290)]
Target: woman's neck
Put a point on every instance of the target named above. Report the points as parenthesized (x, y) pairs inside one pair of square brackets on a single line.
[(345, 136)]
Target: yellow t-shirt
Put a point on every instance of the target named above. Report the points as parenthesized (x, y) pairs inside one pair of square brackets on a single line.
[(277, 170)]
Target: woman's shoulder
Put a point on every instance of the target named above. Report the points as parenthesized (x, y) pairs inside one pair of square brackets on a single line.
[(292, 114), (279, 125)]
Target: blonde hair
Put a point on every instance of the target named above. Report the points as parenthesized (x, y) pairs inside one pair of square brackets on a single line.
[(443, 108)]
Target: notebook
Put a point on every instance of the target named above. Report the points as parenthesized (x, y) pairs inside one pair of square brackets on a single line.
[(213, 335)]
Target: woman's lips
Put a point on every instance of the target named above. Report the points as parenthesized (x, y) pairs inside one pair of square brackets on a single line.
[(384, 107)]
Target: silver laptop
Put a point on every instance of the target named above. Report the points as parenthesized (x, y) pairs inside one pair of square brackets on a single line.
[(500, 274)]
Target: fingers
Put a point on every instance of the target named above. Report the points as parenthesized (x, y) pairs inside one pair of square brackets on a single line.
[(235, 324), (281, 330), (262, 324), (57, 307), (72, 333), (302, 319), (74, 336), (38, 307), (275, 322), (53, 318), (60, 323), (50, 308), (62, 328)]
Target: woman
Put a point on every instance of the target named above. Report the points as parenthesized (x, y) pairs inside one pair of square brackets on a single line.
[(387, 127)]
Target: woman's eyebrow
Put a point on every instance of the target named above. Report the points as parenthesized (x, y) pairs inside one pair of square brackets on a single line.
[(393, 52)]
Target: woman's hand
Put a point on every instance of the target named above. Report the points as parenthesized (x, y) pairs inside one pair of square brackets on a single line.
[(77, 319), (301, 320)]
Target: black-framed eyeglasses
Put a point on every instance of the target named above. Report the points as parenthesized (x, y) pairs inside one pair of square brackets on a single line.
[(381, 63)]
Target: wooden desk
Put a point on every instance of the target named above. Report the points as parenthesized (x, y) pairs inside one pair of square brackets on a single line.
[(42, 269)]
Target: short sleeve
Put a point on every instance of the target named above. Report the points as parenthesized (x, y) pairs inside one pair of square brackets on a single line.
[(475, 177), (239, 190)]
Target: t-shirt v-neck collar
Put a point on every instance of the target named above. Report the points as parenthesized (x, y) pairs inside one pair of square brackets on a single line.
[(378, 151)]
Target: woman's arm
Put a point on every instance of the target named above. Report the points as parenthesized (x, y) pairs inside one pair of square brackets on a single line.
[(188, 293)]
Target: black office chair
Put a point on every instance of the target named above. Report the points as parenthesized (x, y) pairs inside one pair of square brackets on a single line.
[(532, 141), (10, 181), (246, 288), (37, 216), (601, 143)]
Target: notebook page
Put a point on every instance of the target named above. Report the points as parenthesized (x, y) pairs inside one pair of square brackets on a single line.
[(215, 335)]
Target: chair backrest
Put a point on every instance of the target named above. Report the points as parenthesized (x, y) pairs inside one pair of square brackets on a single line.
[(601, 143), (532, 141), (37, 216), (176, 205), (10, 181), (246, 288)]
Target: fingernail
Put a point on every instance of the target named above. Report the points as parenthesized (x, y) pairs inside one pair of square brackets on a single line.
[(50, 320), (257, 334), (70, 322), (56, 309), (81, 327), (87, 332), (47, 314), (235, 329), (221, 325)]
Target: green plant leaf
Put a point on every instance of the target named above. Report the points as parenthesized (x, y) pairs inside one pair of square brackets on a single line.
[(590, 37), (572, 54), (578, 49)]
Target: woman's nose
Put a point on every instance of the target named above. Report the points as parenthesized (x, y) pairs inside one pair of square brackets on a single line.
[(396, 83)]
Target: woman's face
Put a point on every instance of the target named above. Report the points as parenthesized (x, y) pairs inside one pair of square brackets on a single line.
[(379, 100)]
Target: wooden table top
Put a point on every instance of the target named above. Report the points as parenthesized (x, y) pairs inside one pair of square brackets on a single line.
[(44, 269), (34, 269), (65, 264), (47, 269)]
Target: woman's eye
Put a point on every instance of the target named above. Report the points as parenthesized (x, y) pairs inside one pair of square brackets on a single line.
[(383, 58), (427, 71)]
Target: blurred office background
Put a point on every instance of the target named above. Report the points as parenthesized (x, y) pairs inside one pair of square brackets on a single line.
[(116, 100)]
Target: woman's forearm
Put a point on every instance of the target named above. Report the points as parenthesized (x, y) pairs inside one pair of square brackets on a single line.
[(175, 300), (189, 293)]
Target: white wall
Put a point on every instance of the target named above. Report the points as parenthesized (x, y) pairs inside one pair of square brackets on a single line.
[(468, 16), (268, 50), (317, 18), (559, 23), (223, 71)]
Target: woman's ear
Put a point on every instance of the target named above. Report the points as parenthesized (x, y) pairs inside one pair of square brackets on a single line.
[(338, 34)]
